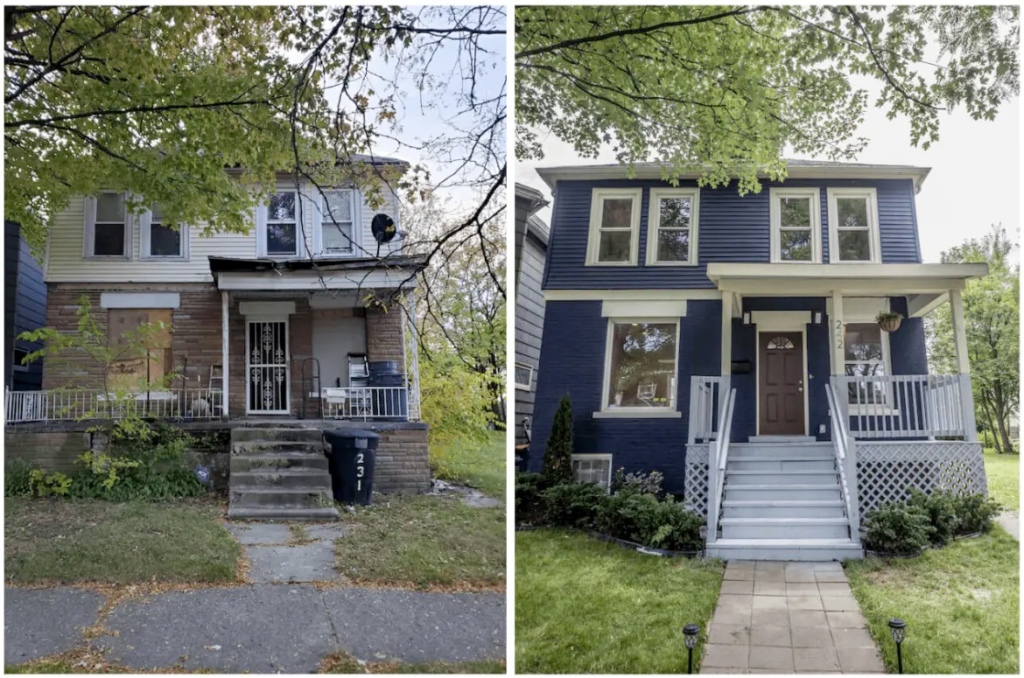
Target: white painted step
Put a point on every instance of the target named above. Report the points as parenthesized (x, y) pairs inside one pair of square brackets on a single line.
[(779, 464), (782, 439), (789, 477), (827, 508), (785, 528), (793, 491), (819, 550), (741, 452)]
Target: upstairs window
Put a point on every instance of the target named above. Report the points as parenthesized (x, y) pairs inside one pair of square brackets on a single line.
[(282, 227), (107, 231), (795, 225), (338, 222), (614, 227), (159, 239), (672, 235), (640, 367), (853, 225)]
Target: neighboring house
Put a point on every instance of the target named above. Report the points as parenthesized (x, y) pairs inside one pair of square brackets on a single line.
[(266, 328), (678, 312), (531, 243), (24, 310)]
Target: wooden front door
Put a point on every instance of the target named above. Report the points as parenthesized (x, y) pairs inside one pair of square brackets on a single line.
[(780, 388)]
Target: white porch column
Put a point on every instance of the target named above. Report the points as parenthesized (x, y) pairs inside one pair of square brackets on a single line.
[(956, 304), (414, 395), (838, 323), (224, 352), (726, 334)]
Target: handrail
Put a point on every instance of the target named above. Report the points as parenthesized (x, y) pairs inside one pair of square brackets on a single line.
[(719, 454), (840, 445)]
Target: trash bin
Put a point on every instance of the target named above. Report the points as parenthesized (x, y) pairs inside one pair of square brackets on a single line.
[(391, 404), (352, 459)]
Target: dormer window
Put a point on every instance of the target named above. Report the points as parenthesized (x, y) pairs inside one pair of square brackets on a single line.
[(795, 225), (282, 227), (672, 230), (853, 226), (159, 239), (614, 227), (338, 232), (107, 226)]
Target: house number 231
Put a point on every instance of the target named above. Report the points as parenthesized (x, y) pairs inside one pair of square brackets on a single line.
[(360, 470), (839, 333)]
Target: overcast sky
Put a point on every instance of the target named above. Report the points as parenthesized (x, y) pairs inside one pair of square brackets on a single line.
[(975, 179)]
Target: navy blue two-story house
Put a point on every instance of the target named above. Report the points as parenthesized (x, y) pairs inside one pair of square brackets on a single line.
[(746, 347)]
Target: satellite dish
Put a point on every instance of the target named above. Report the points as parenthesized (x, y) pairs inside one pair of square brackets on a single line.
[(383, 228)]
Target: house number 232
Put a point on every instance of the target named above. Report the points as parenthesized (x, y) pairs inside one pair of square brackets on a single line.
[(360, 470), (839, 333)]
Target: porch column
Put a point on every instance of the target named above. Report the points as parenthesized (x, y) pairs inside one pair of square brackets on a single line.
[(726, 334), (956, 304), (414, 350), (837, 321), (224, 344)]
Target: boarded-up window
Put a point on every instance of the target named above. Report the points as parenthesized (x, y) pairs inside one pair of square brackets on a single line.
[(134, 368)]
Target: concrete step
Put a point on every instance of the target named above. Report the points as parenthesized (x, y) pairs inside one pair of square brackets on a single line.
[(282, 434), (281, 478), (779, 464), (791, 491), (276, 447), (785, 528), (789, 477), (292, 497), (267, 461), (820, 550), (826, 508), (781, 439), (283, 514)]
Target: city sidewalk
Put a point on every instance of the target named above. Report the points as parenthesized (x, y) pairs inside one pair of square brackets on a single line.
[(775, 617)]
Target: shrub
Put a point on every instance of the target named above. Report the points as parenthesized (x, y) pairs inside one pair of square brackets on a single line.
[(637, 483), (16, 479), (572, 504), (641, 518), (139, 484), (558, 453), (529, 503), (941, 508), (898, 529), (975, 513), (48, 485)]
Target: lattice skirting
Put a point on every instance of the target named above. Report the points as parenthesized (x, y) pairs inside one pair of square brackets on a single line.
[(886, 470), (696, 482)]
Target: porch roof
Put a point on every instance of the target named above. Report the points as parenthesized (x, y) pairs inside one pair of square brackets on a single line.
[(231, 273)]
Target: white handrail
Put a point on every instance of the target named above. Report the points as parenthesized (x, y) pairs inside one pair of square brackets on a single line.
[(719, 455), (82, 404), (841, 441)]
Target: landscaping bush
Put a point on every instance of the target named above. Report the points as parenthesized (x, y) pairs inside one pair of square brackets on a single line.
[(941, 508), (637, 483), (897, 529), (641, 518), (138, 484), (529, 502), (975, 513), (17, 479), (558, 453), (572, 504)]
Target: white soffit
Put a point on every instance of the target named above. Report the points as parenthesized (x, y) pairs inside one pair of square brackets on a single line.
[(854, 279), (643, 309), (140, 300), (268, 308), (771, 321)]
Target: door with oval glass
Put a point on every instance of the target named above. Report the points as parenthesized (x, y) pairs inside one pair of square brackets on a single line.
[(780, 384)]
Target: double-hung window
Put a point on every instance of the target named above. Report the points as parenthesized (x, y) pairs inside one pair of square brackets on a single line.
[(614, 227), (159, 239), (853, 225), (795, 225), (640, 367), (338, 234), (672, 231), (866, 355), (282, 237), (107, 226)]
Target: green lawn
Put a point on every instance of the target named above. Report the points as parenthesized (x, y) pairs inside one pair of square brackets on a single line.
[(65, 540), (1003, 473), (960, 603), (423, 541), (477, 464), (586, 606)]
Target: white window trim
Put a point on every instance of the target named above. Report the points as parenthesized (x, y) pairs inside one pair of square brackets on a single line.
[(89, 241), (527, 386), (775, 212), (606, 412), (874, 239), (16, 364), (263, 221), (319, 212), (654, 224), (598, 195), (596, 457), (878, 409), (145, 240)]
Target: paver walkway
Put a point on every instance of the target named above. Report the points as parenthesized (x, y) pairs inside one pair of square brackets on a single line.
[(775, 617), (1010, 521)]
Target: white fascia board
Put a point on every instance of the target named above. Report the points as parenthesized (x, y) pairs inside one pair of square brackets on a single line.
[(309, 281), (725, 271), (631, 295), (140, 300), (857, 287)]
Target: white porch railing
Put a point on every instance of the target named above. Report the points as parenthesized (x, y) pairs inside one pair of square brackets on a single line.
[(905, 406), (76, 405), (370, 402), (845, 448), (706, 401), (718, 457)]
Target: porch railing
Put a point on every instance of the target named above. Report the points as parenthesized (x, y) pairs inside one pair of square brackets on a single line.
[(370, 402), (905, 406), (706, 401), (77, 405), (845, 448), (718, 458)]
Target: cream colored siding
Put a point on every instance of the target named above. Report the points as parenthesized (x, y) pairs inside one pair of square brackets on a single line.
[(66, 263)]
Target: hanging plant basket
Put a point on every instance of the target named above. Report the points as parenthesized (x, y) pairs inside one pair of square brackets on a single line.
[(889, 322)]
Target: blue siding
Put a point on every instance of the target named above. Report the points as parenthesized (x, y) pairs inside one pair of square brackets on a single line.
[(731, 228), (25, 308)]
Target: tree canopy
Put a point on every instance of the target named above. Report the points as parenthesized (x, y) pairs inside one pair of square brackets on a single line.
[(725, 89)]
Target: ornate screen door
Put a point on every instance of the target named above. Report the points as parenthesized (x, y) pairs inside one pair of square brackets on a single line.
[(267, 372)]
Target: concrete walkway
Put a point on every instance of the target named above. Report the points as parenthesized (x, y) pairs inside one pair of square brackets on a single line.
[(775, 617), (1010, 521), (260, 628)]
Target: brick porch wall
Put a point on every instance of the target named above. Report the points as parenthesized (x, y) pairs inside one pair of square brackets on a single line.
[(384, 335)]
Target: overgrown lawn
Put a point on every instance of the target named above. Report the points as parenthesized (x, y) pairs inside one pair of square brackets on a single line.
[(587, 606), (1003, 474), (960, 604), (477, 464), (66, 540)]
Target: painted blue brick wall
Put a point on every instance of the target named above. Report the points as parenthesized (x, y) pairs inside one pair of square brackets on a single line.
[(732, 228)]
